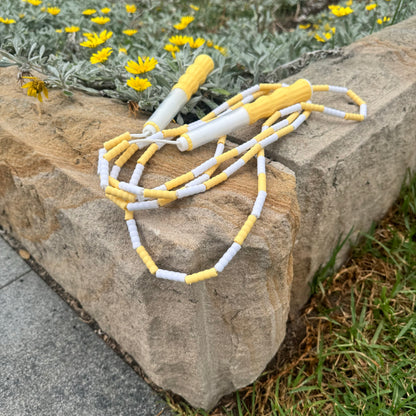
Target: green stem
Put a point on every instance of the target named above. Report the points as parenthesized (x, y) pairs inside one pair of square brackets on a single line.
[(397, 11)]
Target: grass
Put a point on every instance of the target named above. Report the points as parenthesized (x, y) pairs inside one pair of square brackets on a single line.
[(358, 356)]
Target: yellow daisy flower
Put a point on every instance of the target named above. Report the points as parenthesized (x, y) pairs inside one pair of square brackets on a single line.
[(34, 2), (72, 29), (104, 35), (348, 3), (340, 11), (142, 65), (307, 26), (7, 21), (187, 19), (139, 84), (371, 6), (122, 50), (54, 10), (100, 20), (222, 50), (130, 8), (93, 40), (179, 40), (196, 8), (130, 32), (385, 19), (180, 26), (197, 43), (101, 55), (210, 43), (105, 10), (35, 88), (89, 12), (172, 49), (319, 38), (58, 30)]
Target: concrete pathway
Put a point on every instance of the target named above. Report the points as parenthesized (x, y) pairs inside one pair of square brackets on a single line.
[(52, 363)]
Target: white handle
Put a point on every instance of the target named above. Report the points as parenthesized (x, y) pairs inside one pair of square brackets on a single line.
[(213, 130)]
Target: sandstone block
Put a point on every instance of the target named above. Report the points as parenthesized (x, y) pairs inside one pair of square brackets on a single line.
[(348, 173), (200, 341)]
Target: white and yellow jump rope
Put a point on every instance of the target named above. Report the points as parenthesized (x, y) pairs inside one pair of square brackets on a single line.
[(271, 101)]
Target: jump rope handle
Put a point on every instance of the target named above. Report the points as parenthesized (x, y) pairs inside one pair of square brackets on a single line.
[(263, 107), (182, 91)]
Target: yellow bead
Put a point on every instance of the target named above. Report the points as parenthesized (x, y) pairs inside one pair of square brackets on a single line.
[(203, 275), (317, 88), (147, 260), (210, 183), (245, 229), (150, 151), (114, 142), (180, 180), (357, 100), (116, 150), (128, 153), (261, 182)]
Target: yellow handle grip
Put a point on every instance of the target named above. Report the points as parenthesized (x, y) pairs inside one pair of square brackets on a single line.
[(195, 75), (265, 106)]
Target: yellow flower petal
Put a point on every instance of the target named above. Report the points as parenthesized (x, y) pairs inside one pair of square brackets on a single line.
[(139, 84), (130, 8), (101, 56)]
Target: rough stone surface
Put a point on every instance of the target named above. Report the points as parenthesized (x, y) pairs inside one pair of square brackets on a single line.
[(200, 341), (348, 173), (52, 364)]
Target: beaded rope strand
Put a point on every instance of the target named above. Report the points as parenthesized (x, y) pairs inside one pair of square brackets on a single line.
[(130, 197)]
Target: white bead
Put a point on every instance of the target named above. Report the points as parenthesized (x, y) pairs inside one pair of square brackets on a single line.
[(290, 109), (199, 170), (280, 125), (134, 233), (115, 171), (234, 167), (245, 146), (261, 165), (258, 205), (101, 154), (269, 140), (190, 190), (299, 121), (227, 257), (104, 173), (363, 110), (167, 274), (219, 149), (334, 112), (128, 187), (333, 88), (138, 170), (135, 242), (198, 180), (221, 108), (247, 99), (138, 206), (250, 90)]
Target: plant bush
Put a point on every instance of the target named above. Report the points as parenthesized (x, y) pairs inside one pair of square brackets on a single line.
[(86, 45)]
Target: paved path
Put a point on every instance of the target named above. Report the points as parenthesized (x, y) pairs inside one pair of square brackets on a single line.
[(52, 363)]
